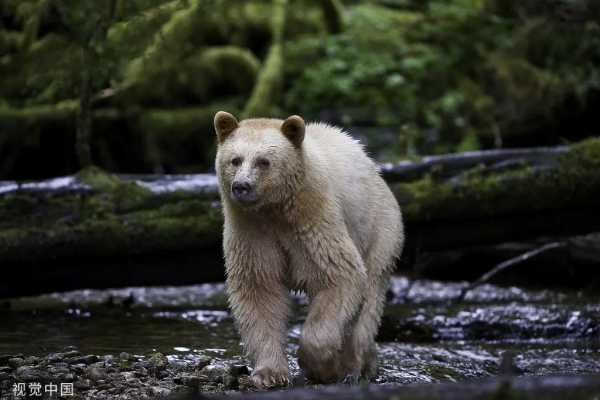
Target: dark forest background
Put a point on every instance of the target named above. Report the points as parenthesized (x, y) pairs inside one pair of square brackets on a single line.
[(132, 86)]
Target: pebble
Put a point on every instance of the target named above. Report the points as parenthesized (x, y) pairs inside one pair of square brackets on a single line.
[(124, 376)]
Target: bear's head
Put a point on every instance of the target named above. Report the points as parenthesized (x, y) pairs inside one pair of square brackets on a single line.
[(259, 161)]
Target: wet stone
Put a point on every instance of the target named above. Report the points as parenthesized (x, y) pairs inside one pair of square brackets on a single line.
[(159, 391), (89, 359), (5, 357), (78, 368), (238, 369), (202, 362), (192, 381), (215, 373), (96, 374), (158, 361), (31, 374), (15, 362), (31, 360)]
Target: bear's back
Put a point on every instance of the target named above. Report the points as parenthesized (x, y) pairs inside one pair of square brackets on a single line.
[(341, 165)]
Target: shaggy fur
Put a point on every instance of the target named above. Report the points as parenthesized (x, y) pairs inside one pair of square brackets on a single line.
[(323, 222)]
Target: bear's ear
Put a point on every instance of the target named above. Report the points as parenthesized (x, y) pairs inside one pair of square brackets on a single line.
[(293, 128), (225, 123)]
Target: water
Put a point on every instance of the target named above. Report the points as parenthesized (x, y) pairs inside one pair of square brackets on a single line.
[(424, 336)]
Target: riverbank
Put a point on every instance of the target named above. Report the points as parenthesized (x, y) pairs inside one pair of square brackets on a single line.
[(136, 343)]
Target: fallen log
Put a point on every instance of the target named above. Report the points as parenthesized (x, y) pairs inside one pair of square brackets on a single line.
[(97, 230), (451, 164)]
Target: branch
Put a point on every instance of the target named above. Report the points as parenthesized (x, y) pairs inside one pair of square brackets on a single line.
[(507, 264)]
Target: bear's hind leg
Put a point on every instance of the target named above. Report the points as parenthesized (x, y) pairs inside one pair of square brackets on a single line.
[(360, 355)]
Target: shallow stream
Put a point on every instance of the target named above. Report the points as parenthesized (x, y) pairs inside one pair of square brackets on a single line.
[(425, 337)]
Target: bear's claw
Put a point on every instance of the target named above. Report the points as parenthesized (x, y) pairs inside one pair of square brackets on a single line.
[(268, 378)]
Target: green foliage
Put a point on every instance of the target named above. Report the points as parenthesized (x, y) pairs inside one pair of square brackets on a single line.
[(449, 75), (264, 95), (426, 76)]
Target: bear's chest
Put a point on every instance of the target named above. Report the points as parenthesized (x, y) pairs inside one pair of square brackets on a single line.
[(301, 272)]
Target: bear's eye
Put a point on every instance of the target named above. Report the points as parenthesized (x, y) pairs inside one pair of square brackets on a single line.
[(236, 162), (263, 163)]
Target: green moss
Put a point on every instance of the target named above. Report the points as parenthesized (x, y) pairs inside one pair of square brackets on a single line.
[(574, 183), (269, 82), (181, 136), (99, 179), (442, 373), (262, 100), (115, 218), (231, 67)]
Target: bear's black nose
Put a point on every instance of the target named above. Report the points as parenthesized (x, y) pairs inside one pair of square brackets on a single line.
[(242, 191)]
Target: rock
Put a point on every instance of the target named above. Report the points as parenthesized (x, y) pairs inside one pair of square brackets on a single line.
[(55, 357), (202, 362), (230, 382), (96, 374), (159, 391), (4, 376), (78, 368), (109, 359), (82, 384), (5, 357), (5, 369), (215, 373), (124, 356), (31, 374), (31, 360), (89, 359), (15, 362), (238, 370), (191, 381), (158, 361)]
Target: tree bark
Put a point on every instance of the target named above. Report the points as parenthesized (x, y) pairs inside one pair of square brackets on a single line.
[(333, 14), (84, 115)]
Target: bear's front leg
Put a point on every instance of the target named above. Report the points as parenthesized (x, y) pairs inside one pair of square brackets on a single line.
[(260, 304), (333, 308)]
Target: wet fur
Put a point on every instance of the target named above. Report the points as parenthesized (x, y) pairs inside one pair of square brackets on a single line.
[(325, 223)]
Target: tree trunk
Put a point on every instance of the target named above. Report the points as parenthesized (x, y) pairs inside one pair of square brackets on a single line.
[(333, 13), (84, 115)]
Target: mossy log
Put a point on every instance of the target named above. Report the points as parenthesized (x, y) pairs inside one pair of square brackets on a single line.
[(102, 230)]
